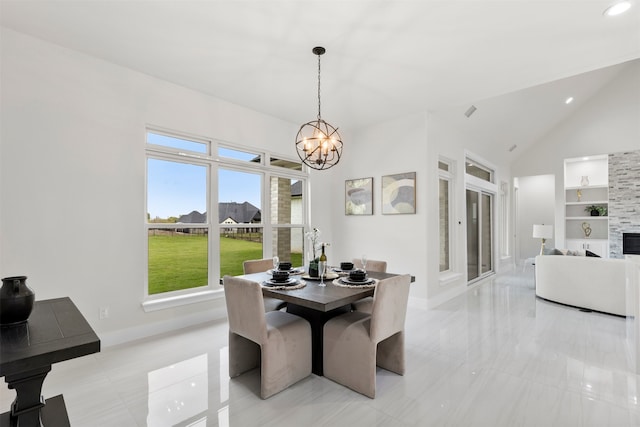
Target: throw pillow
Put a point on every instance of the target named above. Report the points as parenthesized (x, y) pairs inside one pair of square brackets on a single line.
[(555, 251), (591, 254)]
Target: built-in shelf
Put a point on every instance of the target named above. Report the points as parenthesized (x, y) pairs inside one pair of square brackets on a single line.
[(583, 231), (590, 218)]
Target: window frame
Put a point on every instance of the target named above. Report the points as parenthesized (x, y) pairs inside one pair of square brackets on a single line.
[(505, 220), (447, 175), (214, 162)]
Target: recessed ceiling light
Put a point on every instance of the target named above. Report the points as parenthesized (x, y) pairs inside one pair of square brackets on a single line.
[(569, 100), (617, 8)]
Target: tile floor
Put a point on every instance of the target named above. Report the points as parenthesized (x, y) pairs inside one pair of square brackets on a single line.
[(495, 356)]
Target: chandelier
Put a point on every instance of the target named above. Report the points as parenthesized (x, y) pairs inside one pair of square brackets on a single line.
[(318, 144)]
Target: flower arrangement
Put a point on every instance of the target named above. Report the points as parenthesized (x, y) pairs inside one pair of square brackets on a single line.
[(315, 245), (314, 237)]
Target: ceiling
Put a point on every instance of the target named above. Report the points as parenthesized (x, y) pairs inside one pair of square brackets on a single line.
[(385, 59)]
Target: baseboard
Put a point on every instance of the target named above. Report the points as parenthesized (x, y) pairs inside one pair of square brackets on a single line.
[(447, 295), (121, 336)]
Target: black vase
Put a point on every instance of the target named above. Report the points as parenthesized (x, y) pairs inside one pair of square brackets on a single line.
[(595, 213), (16, 300)]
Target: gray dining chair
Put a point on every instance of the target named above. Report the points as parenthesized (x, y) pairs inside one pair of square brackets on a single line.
[(372, 265), (276, 341), (356, 342), (365, 304), (258, 266)]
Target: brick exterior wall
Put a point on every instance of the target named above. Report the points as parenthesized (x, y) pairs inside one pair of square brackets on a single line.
[(281, 212)]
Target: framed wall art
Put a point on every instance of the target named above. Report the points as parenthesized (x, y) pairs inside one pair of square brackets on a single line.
[(399, 193), (358, 196)]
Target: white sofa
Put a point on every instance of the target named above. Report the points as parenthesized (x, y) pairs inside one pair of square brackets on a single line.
[(586, 282)]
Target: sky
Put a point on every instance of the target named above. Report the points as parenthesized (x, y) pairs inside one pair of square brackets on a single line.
[(175, 188)]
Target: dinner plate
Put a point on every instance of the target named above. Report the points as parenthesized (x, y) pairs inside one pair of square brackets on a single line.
[(340, 271), (328, 276), (298, 270), (289, 282), (348, 281)]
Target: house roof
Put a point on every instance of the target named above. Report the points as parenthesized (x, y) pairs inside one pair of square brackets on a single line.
[(296, 189), (241, 213), (194, 217)]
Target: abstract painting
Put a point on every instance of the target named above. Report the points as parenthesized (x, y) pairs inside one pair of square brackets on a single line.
[(399, 193), (358, 196)]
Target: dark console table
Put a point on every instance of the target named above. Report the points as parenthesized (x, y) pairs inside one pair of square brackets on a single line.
[(56, 331)]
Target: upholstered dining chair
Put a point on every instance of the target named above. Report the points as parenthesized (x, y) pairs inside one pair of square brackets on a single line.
[(276, 341), (355, 342), (372, 265), (365, 304), (258, 266)]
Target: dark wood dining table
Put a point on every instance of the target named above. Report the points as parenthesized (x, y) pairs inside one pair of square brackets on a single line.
[(318, 304)]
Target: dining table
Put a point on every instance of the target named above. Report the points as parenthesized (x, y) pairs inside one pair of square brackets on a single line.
[(317, 304)]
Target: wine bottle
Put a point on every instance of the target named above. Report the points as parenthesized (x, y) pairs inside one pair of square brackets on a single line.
[(322, 261), (322, 266)]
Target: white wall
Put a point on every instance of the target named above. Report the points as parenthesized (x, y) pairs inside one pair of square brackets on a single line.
[(409, 243), (73, 170), (535, 205), (396, 146), (453, 143), (608, 123)]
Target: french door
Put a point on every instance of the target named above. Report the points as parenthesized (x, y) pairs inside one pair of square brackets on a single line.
[(479, 234)]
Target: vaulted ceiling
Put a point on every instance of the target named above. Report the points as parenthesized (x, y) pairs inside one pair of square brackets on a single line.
[(384, 59)]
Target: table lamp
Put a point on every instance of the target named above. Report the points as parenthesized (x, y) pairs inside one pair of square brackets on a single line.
[(544, 232)]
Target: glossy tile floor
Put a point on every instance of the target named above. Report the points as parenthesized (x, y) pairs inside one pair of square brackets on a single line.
[(496, 356)]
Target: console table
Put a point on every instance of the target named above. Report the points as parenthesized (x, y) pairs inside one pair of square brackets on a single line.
[(56, 331)]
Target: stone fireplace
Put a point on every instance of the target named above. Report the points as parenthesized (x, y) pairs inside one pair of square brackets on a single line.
[(624, 199)]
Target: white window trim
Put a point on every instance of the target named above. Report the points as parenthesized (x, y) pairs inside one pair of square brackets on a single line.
[(170, 301), (448, 175), (505, 221)]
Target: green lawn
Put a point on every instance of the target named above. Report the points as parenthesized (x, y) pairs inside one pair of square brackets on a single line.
[(179, 261)]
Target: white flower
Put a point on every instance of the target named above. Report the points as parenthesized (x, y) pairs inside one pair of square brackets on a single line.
[(314, 236)]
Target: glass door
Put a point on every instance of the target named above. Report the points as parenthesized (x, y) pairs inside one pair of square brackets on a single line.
[(479, 234)]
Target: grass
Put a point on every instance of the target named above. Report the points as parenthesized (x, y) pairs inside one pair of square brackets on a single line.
[(179, 261)]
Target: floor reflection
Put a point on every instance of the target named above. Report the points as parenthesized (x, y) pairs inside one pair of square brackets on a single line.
[(179, 392)]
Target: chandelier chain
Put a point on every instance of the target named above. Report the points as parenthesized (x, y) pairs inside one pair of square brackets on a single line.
[(319, 87)]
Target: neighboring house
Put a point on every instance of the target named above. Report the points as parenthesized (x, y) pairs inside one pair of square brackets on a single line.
[(232, 212), (194, 217), (238, 213)]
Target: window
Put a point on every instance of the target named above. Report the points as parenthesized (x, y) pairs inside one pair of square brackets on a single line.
[(504, 219), (210, 207), (481, 234), (445, 213), (479, 171), (240, 219), (177, 224)]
